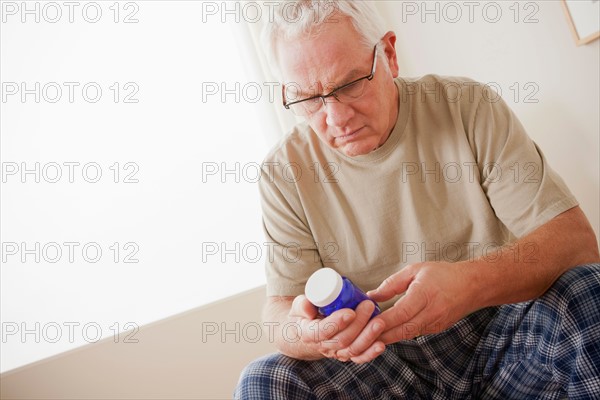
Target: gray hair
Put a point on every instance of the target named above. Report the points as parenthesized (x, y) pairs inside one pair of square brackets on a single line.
[(294, 18)]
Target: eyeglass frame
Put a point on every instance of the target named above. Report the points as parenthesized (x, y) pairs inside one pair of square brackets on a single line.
[(333, 92)]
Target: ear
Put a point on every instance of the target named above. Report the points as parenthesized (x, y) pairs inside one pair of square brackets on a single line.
[(389, 42)]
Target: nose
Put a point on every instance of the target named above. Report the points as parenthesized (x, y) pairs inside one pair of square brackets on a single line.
[(338, 114)]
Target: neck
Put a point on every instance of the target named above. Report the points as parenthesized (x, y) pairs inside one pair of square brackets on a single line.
[(393, 115)]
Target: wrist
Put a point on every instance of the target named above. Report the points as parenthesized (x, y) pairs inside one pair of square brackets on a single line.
[(482, 284)]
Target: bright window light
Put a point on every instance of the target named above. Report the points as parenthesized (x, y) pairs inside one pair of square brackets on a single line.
[(130, 154)]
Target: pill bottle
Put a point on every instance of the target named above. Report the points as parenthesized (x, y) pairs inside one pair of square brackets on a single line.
[(329, 291)]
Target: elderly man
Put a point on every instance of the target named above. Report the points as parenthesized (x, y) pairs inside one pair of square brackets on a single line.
[(429, 193)]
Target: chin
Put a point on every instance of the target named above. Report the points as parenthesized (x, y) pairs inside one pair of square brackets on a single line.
[(357, 149)]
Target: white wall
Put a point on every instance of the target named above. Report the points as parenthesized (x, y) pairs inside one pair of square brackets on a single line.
[(564, 122), (196, 355)]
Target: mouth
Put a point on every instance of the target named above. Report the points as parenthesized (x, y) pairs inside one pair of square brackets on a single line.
[(349, 136)]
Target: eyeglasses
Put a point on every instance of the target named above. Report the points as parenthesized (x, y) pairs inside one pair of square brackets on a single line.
[(344, 94)]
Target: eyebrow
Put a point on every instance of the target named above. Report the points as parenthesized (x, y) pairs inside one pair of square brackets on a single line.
[(350, 76)]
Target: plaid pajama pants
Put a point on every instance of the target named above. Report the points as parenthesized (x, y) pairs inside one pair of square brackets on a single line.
[(548, 348)]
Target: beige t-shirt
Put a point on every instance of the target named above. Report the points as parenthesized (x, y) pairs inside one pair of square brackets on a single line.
[(457, 178)]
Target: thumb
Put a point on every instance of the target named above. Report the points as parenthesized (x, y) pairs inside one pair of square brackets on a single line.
[(303, 308), (395, 284)]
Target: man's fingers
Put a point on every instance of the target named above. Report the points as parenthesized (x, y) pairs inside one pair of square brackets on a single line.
[(313, 329), (406, 331), (370, 354), (364, 341), (348, 334), (393, 285), (303, 308), (325, 330), (405, 310)]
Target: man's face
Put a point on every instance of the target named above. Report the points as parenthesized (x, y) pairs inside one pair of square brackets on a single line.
[(333, 58)]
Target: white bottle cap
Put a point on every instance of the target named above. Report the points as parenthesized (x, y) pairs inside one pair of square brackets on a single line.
[(323, 287)]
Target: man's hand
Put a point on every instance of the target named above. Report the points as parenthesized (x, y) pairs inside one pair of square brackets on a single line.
[(342, 335), (436, 295)]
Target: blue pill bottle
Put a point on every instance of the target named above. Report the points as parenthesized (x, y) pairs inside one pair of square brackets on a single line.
[(329, 291)]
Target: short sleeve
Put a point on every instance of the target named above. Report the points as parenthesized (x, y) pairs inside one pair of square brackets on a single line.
[(524, 191), (292, 253)]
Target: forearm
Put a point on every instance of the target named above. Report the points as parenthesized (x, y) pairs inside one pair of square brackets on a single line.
[(525, 269), (286, 331)]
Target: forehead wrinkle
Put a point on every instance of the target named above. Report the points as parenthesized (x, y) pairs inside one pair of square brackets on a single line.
[(347, 75), (316, 86), (305, 81)]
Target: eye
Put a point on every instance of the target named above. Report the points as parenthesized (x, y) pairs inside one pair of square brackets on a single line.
[(312, 104), (353, 90)]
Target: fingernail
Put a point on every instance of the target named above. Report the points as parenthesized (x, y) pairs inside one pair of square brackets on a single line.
[(379, 348), (347, 317), (377, 327)]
